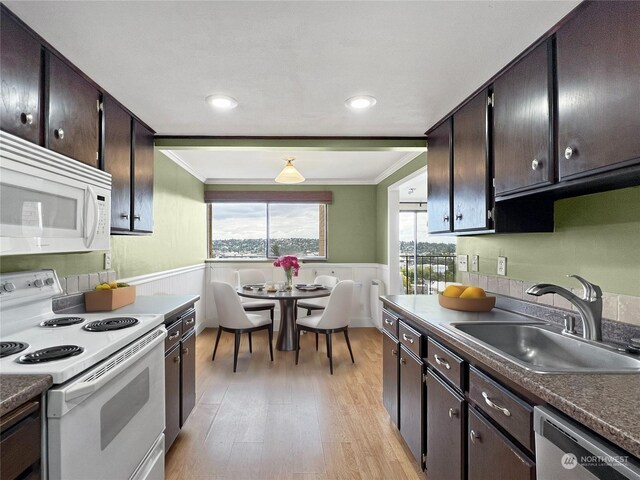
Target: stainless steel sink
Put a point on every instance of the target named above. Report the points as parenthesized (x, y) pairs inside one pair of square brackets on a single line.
[(544, 349)]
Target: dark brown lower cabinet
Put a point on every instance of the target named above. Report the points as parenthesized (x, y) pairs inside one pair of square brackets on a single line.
[(188, 375), (411, 401), (390, 350), (491, 456), (446, 416), (172, 395), (20, 442)]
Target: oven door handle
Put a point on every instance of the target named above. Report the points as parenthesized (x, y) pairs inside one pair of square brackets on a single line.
[(95, 379)]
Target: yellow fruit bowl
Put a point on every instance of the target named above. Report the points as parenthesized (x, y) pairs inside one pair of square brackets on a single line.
[(484, 304)]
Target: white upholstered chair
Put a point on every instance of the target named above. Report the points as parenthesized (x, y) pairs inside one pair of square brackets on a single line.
[(253, 276), (333, 319), (232, 318), (319, 303)]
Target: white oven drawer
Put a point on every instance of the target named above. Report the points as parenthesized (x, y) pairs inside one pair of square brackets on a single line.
[(103, 424)]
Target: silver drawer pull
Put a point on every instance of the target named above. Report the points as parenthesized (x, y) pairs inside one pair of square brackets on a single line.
[(176, 359), (453, 413), (190, 322), (473, 436), (394, 352), (442, 362), (403, 360), (488, 401), (407, 338), (185, 351), (174, 336), (388, 322)]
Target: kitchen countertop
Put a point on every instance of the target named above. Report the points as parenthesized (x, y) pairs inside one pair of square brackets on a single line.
[(166, 305), (17, 389), (606, 403)]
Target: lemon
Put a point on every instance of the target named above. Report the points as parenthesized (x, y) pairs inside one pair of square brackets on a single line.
[(454, 291), (473, 292), (113, 285)]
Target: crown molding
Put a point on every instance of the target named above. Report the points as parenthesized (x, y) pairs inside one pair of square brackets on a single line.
[(406, 158), (177, 159)]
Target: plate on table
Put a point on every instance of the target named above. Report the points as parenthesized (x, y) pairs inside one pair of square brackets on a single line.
[(253, 286), (309, 288)]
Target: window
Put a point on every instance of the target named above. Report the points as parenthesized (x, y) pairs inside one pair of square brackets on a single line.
[(267, 230)]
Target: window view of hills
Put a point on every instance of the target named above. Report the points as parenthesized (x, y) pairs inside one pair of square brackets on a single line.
[(257, 247)]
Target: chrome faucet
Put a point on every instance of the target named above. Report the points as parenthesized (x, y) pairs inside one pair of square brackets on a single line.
[(589, 306)]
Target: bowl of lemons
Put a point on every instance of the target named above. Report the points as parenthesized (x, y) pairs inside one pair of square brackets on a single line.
[(466, 298)]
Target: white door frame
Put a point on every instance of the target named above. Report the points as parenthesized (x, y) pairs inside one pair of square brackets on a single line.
[(393, 232)]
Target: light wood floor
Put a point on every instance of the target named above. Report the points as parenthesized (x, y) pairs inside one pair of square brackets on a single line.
[(282, 421)]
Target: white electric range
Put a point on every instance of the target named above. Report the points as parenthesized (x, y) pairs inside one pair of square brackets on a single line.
[(105, 411)]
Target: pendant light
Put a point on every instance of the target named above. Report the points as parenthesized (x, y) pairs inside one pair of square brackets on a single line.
[(289, 173)]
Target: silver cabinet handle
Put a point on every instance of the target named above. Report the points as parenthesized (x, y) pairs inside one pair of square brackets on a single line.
[(125, 216), (445, 218), (176, 359), (442, 362), (394, 352), (190, 322), (568, 152), (453, 413), (473, 436), (174, 336), (488, 401), (185, 351), (388, 322), (403, 360), (26, 118), (535, 164), (59, 133), (136, 217), (459, 216), (407, 338)]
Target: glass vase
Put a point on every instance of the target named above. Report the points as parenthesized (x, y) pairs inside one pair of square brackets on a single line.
[(289, 281)]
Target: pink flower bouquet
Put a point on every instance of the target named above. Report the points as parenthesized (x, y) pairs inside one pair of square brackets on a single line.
[(290, 265)]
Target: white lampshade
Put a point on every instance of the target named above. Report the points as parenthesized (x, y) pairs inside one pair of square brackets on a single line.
[(289, 173)]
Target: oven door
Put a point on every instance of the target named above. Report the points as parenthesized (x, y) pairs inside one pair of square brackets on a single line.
[(103, 424)]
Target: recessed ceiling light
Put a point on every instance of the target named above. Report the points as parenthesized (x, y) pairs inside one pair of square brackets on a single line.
[(360, 102), (222, 102)]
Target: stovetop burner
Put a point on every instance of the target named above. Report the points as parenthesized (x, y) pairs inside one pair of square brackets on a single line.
[(62, 322), (115, 323), (51, 353), (11, 348)]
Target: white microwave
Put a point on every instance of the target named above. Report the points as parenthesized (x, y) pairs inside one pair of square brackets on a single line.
[(50, 203)]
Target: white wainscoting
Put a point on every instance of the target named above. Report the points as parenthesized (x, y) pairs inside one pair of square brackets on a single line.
[(361, 273), (180, 281)]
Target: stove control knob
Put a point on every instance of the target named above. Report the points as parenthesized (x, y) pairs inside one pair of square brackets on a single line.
[(8, 287), (39, 283), (49, 281)]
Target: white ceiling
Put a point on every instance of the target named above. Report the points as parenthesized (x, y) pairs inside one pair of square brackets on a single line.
[(291, 65)]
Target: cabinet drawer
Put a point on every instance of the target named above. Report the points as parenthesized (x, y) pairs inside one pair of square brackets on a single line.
[(506, 409), (174, 332), (188, 321), (410, 338), (447, 363), (390, 323), (20, 444)]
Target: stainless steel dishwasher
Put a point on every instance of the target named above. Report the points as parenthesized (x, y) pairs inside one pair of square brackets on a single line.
[(565, 450)]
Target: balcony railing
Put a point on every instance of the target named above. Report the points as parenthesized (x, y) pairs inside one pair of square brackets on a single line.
[(433, 273)]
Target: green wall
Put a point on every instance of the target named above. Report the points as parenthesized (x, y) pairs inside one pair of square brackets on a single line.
[(381, 203), (351, 218), (179, 236), (596, 236)]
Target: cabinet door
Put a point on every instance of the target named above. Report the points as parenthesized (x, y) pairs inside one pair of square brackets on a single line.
[(20, 58), (172, 396), (521, 120), (390, 367), (117, 161), (188, 378), (439, 179), (598, 67), (471, 165), (72, 113), (142, 179), (445, 431), (411, 402), (492, 457)]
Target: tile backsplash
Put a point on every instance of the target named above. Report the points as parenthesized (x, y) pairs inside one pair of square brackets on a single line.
[(87, 281), (620, 308)]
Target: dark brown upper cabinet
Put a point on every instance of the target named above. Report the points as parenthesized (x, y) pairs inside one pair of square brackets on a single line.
[(522, 147), (72, 111), (117, 162), (598, 83), (20, 57), (471, 192), (439, 165), (142, 181)]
